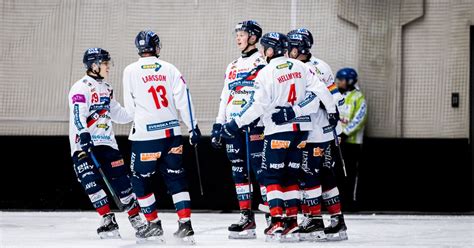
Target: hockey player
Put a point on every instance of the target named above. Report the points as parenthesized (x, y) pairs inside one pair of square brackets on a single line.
[(283, 82), (318, 177), (154, 92), (92, 110), (353, 119), (236, 97)]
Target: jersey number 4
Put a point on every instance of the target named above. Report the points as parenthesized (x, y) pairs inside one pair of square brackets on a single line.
[(292, 94), (159, 93)]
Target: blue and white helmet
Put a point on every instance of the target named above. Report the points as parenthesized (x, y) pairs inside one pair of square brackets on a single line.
[(251, 27), (277, 41), (305, 32), (299, 42), (349, 74), (147, 41), (95, 55)]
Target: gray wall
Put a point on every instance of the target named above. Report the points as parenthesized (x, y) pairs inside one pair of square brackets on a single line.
[(410, 54)]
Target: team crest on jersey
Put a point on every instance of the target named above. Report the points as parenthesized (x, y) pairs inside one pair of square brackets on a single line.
[(288, 65), (150, 156), (280, 144), (318, 152), (155, 66)]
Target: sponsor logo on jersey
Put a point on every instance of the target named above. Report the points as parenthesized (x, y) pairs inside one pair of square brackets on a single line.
[(327, 129), (289, 76), (179, 171), (241, 92), (104, 126), (256, 155), (277, 166), (230, 149), (77, 118), (238, 160), (280, 144), (78, 98), (255, 137), (176, 150), (149, 156), (301, 145), (288, 65), (153, 78), (155, 66), (305, 118), (235, 84), (99, 107), (83, 167), (162, 125), (90, 185), (240, 102), (318, 152), (97, 137), (117, 163), (294, 165), (237, 168), (105, 99)]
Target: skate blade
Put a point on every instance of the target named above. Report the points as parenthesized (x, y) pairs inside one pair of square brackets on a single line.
[(342, 235), (188, 240), (273, 238), (246, 234), (152, 240), (110, 235), (313, 236), (290, 238)]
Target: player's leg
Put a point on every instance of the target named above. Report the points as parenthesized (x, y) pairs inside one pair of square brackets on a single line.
[(275, 148), (256, 152), (236, 153), (171, 167), (337, 228), (291, 188), (143, 163), (313, 227), (118, 174), (91, 181)]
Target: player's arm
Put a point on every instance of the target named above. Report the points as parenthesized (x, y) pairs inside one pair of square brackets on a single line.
[(180, 96), (221, 116), (258, 106), (128, 97), (118, 114), (313, 84), (79, 99), (360, 117)]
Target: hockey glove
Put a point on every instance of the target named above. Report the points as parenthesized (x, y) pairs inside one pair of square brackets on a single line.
[(229, 130), (333, 118), (86, 142), (195, 136), (284, 115), (216, 136)]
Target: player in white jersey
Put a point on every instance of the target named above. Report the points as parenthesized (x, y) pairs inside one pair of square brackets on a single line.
[(318, 178), (283, 82), (92, 110), (236, 97), (154, 92)]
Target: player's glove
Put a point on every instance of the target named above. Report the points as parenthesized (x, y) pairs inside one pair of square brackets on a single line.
[(333, 118), (229, 130), (216, 136), (195, 136), (86, 142), (284, 115)]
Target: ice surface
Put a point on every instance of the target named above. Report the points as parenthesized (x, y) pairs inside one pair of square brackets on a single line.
[(77, 229)]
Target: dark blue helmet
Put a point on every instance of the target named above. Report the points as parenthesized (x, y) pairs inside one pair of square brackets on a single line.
[(299, 42), (304, 32), (277, 41), (349, 74), (95, 55), (147, 41), (251, 27)]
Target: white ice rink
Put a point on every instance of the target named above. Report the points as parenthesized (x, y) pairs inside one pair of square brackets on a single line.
[(77, 229)]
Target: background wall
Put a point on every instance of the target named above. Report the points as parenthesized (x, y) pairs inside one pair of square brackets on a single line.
[(411, 54)]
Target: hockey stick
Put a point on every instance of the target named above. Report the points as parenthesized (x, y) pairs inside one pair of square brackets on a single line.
[(247, 150), (338, 145), (195, 146), (107, 183)]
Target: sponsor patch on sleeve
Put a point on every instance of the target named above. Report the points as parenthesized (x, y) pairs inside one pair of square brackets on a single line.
[(78, 98)]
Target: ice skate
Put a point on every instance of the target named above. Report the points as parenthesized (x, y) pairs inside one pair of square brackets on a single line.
[(274, 231), (185, 232), (291, 232), (336, 231), (108, 228), (312, 229), (150, 233), (136, 222), (245, 228)]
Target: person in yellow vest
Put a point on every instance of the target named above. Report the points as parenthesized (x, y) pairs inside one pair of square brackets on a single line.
[(353, 115)]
